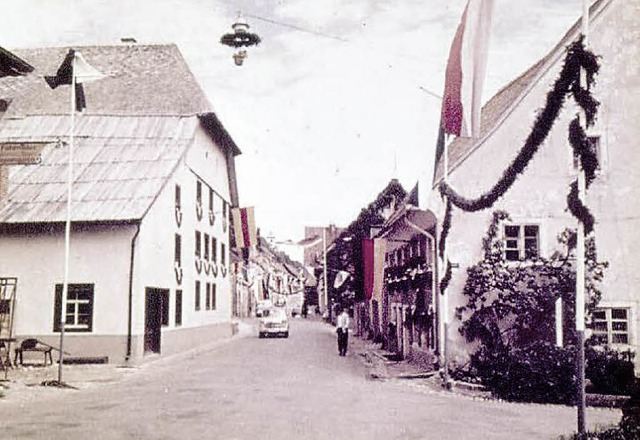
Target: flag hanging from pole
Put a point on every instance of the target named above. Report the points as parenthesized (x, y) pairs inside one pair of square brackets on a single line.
[(75, 70), (244, 227), (373, 252), (466, 70)]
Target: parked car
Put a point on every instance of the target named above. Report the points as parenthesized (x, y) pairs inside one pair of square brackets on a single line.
[(274, 322)]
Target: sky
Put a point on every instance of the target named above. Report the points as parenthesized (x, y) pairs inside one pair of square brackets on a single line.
[(340, 96)]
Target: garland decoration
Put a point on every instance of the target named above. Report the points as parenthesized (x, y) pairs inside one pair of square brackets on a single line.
[(444, 282), (568, 83), (446, 226)]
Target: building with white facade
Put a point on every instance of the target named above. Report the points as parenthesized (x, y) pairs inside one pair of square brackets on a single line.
[(537, 200), (153, 183)]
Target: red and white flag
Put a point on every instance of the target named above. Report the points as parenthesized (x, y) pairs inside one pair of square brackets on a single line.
[(466, 70), (244, 226)]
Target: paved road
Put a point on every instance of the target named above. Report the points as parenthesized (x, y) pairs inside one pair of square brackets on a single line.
[(296, 388)]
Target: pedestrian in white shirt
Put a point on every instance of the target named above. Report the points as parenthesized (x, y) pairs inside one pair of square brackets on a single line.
[(342, 324)]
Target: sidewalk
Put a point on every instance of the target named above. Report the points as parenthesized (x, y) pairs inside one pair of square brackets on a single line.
[(381, 367), (24, 384)]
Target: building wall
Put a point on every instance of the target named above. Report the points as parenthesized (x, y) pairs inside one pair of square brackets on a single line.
[(101, 255), (539, 194), (154, 265), (36, 258)]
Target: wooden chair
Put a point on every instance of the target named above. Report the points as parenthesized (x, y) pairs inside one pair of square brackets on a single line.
[(33, 345)]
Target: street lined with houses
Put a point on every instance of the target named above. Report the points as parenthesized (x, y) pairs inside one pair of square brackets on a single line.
[(491, 295), (274, 388)]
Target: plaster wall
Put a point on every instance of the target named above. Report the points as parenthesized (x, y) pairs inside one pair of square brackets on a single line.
[(539, 194)]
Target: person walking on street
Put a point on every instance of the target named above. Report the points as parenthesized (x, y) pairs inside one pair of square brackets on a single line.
[(342, 324)]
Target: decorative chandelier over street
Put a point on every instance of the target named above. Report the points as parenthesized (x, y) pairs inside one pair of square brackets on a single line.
[(239, 39)]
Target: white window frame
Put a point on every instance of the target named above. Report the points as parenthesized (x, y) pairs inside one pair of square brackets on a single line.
[(521, 248), (601, 152), (609, 320)]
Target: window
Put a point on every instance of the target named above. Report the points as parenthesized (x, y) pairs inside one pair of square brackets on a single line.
[(177, 250), (178, 309), (178, 197), (224, 209), (206, 246), (214, 249), (210, 199), (521, 242), (222, 254), (596, 145), (197, 298), (208, 296), (213, 296), (198, 244), (199, 193), (611, 326), (79, 313)]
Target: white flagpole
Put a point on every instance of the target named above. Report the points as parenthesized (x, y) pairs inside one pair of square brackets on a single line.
[(67, 229), (445, 295), (580, 255)]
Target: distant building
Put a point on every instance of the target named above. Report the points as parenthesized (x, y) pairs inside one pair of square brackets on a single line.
[(153, 184), (313, 242)]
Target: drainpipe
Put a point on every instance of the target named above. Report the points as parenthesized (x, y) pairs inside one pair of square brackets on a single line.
[(130, 317)]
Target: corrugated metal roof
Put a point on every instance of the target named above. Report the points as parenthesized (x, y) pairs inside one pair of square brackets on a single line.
[(120, 166)]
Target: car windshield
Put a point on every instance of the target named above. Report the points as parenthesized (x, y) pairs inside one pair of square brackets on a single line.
[(275, 313)]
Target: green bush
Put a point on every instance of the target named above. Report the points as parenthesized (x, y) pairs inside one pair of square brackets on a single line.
[(609, 371), (541, 373)]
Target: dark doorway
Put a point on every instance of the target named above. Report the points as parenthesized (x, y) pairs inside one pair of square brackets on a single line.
[(154, 305)]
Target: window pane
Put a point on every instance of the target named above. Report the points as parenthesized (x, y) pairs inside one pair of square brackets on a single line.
[(619, 326), (512, 255), (178, 309), (600, 326), (511, 231), (599, 314), (198, 244), (619, 314), (178, 196), (197, 296), (531, 231), (620, 338), (531, 248)]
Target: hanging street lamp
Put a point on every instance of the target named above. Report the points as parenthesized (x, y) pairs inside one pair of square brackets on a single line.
[(239, 39)]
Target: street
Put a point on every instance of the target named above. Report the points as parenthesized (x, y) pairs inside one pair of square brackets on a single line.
[(295, 388)]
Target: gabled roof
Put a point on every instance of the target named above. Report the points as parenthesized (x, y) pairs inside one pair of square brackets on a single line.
[(509, 97), (143, 80), (120, 167), (138, 125)]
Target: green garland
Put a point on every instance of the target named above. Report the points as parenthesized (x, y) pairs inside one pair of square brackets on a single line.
[(567, 82), (578, 58)]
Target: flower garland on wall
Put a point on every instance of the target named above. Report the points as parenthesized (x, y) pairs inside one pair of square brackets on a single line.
[(578, 58)]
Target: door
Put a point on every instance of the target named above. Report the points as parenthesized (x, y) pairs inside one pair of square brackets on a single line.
[(153, 320)]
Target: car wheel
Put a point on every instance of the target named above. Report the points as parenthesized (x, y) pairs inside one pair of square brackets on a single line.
[(285, 334), (261, 335)]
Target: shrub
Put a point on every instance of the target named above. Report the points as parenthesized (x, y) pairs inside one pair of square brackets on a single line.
[(609, 371), (540, 373)]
